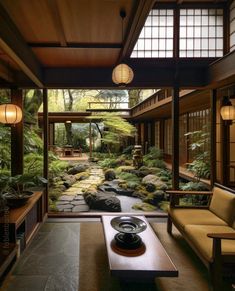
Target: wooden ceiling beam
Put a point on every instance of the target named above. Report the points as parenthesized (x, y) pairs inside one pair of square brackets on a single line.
[(5, 72), (55, 14), (13, 44), (147, 76), (222, 71), (76, 45), (136, 23)]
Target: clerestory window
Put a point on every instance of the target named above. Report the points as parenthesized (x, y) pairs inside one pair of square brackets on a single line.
[(200, 34)]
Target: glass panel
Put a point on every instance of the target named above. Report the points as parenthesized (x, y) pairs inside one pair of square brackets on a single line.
[(158, 28), (148, 44)]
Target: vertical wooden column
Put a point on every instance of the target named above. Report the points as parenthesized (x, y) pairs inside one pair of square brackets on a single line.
[(213, 137), (152, 137), (17, 137), (90, 140), (161, 134), (45, 143), (175, 138)]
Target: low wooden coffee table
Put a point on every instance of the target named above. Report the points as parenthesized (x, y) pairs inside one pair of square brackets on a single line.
[(147, 262)]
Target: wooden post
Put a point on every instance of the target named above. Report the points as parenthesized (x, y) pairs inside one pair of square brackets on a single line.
[(17, 137), (213, 137), (90, 139), (45, 143), (175, 138)]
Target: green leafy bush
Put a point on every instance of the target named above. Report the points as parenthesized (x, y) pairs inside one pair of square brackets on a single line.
[(108, 163), (57, 167)]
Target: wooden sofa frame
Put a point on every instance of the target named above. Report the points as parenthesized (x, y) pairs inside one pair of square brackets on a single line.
[(220, 264)]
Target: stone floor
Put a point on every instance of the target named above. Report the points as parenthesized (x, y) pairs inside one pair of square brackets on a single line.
[(50, 263)]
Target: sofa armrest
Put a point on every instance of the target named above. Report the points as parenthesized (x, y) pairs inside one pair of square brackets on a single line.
[(175, 195), (230, 236)]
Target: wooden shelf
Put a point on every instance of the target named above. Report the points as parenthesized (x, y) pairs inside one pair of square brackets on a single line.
[(23, 223)]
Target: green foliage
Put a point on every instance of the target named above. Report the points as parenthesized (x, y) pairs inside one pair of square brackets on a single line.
[(193, 186), (199, 143), (129, 177), (115, 129), (5, 147), (154, 158), (33, 163), (128, 150), (108, 163), (32, 140), (57, 167), (144, 206), (14, 185)]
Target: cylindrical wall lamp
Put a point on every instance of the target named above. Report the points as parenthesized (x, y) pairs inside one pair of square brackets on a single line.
[(10, 113)]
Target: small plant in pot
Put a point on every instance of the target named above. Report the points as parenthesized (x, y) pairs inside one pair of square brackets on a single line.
[(16, 190)]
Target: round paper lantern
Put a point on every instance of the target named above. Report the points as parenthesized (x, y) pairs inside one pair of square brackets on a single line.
[(10, 114), (122, 74)]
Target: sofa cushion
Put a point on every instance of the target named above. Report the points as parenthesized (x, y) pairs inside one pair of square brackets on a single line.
[(194, 216), (223, 205), (197, 234)]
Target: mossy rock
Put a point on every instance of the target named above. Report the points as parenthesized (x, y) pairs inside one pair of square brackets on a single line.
[(144, 207), (110, 175), (164, 205), (127, 169), (150, 187), (54, 194), (81, 176), (155, 198)]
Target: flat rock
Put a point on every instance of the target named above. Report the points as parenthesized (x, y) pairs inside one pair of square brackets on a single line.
[(79, 197), (81, 208), (78, 202), (66, 198), (63, 207)]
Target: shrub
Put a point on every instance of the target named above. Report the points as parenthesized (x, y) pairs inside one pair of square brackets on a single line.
[(57, 167), (108, 163)]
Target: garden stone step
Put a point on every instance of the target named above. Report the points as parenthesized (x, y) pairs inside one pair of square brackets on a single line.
[(81, 208), (66, 198)]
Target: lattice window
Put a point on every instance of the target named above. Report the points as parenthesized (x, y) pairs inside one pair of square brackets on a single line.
[(232, 26), (156, 37), (201, 33)]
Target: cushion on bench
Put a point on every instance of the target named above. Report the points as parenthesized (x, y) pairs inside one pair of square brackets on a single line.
[(194, 216), (197, 234), (223, 205)]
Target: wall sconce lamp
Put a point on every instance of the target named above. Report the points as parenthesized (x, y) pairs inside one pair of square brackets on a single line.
[(227, 110), (122, 74), (10, 114)]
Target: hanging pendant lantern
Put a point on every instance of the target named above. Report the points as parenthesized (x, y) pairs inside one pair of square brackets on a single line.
[(122, 74), (10, 113)]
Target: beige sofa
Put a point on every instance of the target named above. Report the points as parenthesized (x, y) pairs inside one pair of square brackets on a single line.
[(209, 230)]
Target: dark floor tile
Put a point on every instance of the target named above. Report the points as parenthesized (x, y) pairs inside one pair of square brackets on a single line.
[(27, 283)]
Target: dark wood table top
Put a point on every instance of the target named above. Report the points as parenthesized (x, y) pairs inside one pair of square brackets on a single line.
[(149, 261)]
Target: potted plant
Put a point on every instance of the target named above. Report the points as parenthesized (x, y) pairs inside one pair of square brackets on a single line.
[(16, 188)]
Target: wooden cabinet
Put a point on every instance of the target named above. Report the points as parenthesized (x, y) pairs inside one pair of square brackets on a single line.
[(18, 226)]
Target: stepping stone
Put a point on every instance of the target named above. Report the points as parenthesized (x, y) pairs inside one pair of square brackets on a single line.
[(79, 197), (78, 202), (63, 207), (81, 208), (66, 198), (62, 203)]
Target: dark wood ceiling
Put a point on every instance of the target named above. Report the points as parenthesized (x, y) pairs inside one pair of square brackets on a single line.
[(76, 43)]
